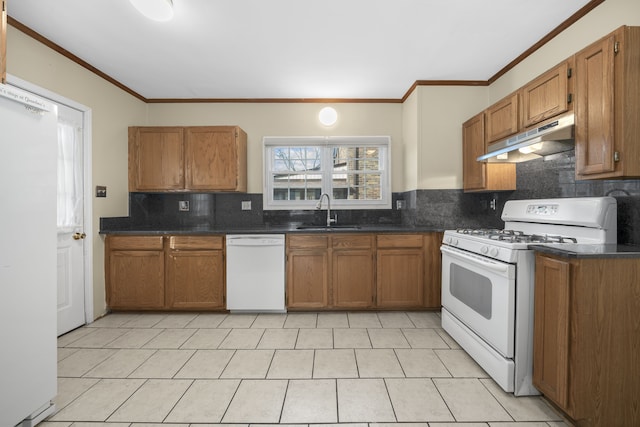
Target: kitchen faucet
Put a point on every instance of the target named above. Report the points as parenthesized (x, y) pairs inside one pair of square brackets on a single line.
[(319, 206)]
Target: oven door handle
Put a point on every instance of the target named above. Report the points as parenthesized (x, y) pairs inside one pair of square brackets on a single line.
[(474, 259)]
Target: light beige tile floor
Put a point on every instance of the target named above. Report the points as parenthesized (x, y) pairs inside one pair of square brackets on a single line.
[(362, 369)]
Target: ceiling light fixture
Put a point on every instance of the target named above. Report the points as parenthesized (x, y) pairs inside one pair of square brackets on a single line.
[(158, 10), (328, 116)]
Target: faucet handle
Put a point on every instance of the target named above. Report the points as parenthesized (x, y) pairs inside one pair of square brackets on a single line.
[(334, 219)]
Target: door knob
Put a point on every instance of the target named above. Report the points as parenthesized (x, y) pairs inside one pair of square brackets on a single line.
[(78, 236)]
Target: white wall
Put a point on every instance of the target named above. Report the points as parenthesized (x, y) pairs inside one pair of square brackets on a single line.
[(411, 138), (441, 112)]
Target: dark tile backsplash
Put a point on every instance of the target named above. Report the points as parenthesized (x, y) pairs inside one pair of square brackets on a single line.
[(550, 177)]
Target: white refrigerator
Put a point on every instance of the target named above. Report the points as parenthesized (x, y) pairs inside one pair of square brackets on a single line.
[(28, 153)]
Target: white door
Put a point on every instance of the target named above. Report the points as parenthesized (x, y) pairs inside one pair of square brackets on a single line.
[(71, 231)]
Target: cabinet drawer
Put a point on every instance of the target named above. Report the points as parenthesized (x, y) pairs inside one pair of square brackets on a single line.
[(352, 241), (307, 242), (132, 243), (196, 242), (400, 241)]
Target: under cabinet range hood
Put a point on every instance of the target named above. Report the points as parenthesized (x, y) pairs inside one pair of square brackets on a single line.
[(551, 138)]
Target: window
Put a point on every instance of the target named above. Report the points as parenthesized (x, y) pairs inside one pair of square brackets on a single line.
[(70, 186), (354, 171)]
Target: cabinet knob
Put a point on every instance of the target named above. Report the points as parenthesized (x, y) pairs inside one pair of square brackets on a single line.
[(79, 236)]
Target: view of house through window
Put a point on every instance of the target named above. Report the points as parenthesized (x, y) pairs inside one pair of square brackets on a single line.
[(353, 171)]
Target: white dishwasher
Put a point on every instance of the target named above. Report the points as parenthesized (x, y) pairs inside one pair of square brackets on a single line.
[(255, 273)]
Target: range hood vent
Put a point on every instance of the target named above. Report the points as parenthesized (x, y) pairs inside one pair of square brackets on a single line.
[(554, 137)]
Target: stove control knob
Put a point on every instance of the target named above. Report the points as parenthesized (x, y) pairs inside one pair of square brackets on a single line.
[(484, 249), (494, 251), (452, 241)]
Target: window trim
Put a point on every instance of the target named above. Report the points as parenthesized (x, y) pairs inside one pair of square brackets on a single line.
[(327, 142)]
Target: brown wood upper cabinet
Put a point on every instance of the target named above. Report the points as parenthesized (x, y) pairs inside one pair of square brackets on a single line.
[(199, 158), (547, 96), (502, 119), (607, 107), (482, 176)]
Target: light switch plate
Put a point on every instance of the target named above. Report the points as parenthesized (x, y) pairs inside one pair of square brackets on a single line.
[(246, 205)]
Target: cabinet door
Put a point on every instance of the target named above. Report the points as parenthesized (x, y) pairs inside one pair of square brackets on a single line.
[(502, 119), (352, 268), (400, 277), (551, 329), (473, 146), (308, 271), (156, 159), (594, 110), (212, 158), (546, 96), (135, 279), (195, 279), (308, 279), (352, 283)]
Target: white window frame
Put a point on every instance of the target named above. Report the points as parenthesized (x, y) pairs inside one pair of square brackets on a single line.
[(327, 143)]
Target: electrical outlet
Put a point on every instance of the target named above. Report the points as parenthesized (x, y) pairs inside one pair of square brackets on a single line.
[(400, 204), (183, 206), (246, 205), (101, 191)]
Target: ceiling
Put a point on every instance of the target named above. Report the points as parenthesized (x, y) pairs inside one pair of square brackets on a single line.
[(294, 49)]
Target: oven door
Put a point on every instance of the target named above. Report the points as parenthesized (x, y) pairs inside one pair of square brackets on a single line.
[(480, 292)]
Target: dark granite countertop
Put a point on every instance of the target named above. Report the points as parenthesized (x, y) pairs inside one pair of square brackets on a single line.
[(123, 226), (576, 250)]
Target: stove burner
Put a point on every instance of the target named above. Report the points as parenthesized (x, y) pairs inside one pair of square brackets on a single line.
[(515, 236), (477, 231)]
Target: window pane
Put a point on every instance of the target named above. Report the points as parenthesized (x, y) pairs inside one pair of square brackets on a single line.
[(296, 158), (296, 186), (357, 186)]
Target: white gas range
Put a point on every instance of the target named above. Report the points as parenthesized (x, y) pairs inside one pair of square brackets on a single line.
[(488, 279)]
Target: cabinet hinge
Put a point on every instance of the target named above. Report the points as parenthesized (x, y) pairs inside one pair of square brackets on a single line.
[(569, 98), (616, 156), (569, 72)]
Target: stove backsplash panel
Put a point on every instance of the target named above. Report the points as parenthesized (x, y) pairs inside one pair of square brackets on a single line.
[(551, 177)]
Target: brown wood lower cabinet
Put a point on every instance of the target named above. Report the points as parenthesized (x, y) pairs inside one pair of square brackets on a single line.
[(587, 338), (134, 272), (164, 272), (195, 272), (352, 270), (400, 275), (324, 271), (360, 271), (307, 271)]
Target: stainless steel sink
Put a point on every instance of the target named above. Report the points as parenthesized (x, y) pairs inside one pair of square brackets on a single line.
[(328, 228)]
